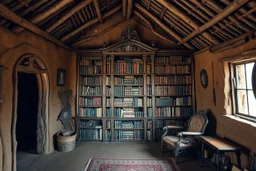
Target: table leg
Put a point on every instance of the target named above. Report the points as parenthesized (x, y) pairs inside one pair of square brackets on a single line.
[(238, 158), (202, 154), (218, 160)]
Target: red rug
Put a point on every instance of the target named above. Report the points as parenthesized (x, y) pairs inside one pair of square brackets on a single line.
[(108, 164)]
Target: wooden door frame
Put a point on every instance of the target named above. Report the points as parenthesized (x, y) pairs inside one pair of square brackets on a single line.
[(37, 67)]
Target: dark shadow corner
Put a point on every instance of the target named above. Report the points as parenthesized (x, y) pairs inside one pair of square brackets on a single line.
[(212, 125)]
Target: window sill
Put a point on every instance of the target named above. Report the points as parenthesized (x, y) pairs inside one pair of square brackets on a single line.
[(239, 119)]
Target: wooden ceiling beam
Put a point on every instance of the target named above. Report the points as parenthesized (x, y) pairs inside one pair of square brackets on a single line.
[(163, 26), (129, 9), (85, 39), (40, 17), (10, 15), (187, 19), (97, 7), (43, 15), (68, 15), (151, 27), (124, 3), (225, 12), (89, 23)]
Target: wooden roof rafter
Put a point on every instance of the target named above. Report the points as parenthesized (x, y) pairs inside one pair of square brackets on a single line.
[(7, 13), (91, 22), (68, 14), (225, 12)]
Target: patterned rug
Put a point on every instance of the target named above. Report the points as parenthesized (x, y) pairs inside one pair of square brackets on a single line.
[(109, 164)]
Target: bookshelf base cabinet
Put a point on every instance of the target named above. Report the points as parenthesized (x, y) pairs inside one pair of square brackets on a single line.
[(129, 91)]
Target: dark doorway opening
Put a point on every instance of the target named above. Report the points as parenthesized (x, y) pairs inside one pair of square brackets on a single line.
[(27, 111)]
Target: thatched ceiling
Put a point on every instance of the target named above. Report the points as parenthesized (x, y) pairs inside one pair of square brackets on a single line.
[(195, 24)]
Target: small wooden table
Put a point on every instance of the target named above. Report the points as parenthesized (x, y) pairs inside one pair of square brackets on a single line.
[(221, 146)]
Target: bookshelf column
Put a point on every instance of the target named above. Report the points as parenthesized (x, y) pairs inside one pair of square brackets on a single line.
[(152, 58), (145, 95), (104, 99), (112, 96)]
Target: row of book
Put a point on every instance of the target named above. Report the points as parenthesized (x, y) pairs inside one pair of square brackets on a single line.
[(128, 90), (149, 135), (129, 135), (119, 102), (173, 111), (90, 112), (171, 69), (128, 113), (90, 134), (107, 135), (165, 101), (128, 124), (84, 61), (133, 66), (174, 60), (108, 124), (173, 90), (127, 80), (184, 79), (95, 101), (136, 80), (149, 124), (90, 91), (149, 112), (135, 91), (90, 80), (90, 70), (90, 124), (149, 101)]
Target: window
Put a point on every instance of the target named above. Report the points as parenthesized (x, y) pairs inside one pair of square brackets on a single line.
[(243, 88)]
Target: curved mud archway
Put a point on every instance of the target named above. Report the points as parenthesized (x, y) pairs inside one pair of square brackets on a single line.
[(29, 63)]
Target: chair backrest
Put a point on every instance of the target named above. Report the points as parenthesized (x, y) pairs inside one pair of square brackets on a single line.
[(198, 122)]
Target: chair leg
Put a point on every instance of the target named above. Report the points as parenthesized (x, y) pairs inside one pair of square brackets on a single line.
[(162, 146), (176, 155)]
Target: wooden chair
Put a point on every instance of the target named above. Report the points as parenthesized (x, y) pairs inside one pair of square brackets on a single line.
[(185, 139)]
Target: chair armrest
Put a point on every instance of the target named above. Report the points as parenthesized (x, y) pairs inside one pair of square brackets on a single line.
[(175, 127), (190, 133), (169, 127)]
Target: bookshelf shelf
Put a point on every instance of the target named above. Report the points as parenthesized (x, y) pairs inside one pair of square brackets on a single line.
[(129, 128), (118, 86), (89, 106), (171, 74)]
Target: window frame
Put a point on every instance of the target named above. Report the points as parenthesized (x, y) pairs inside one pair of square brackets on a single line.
[(233, 75)]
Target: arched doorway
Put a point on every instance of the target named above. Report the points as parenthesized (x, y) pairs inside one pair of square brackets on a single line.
[(30, 66)]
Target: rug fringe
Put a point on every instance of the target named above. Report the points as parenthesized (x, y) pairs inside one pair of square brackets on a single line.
[(87, 165)]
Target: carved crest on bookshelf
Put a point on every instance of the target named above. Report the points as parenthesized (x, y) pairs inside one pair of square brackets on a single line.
[(128, 47), (129, 42), (129, 33)]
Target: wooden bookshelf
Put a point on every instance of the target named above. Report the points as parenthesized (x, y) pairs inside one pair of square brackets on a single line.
[(127, 96)]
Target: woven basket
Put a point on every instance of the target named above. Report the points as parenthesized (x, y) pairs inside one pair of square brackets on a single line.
[(66, 143)]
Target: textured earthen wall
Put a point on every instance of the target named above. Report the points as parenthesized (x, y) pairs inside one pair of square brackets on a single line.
[(13, 46), (241, 133)]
